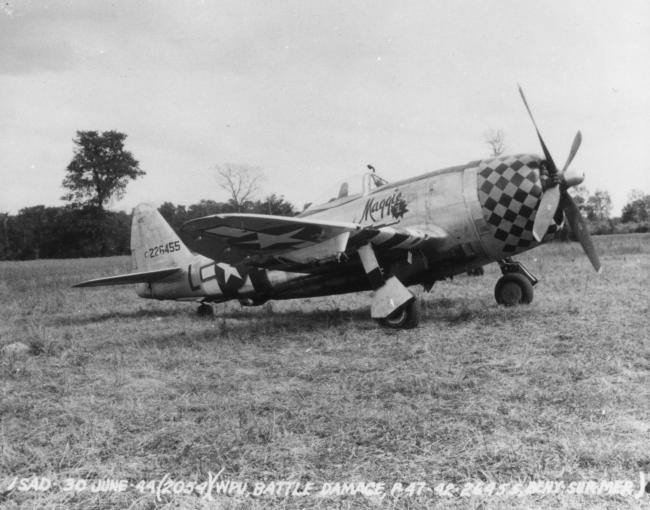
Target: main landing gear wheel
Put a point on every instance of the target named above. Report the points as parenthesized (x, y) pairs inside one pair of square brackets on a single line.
[(408, 317), (513, 289), (205, 310)]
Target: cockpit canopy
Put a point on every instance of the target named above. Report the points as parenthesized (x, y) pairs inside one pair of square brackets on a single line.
[(353, 186)]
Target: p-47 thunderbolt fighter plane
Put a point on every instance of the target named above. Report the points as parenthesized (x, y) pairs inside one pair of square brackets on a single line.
[(385, 237)]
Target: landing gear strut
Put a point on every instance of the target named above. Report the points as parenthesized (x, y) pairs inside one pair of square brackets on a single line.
[(204, 310), (515, 287)]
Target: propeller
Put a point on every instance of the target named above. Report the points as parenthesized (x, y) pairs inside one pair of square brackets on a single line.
[(557, 195)]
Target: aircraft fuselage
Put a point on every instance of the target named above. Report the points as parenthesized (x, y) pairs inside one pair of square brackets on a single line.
[(486, 207)]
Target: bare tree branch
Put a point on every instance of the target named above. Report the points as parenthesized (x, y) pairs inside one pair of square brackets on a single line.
[(241, 182), (496, 139)]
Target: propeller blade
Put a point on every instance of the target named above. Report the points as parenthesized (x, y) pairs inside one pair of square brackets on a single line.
[(545, 212), (579, 228), (552, 168), (574, 148)]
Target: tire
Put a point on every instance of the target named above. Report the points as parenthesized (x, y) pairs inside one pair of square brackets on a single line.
[(513, 289), (205, 310), (408, 317)]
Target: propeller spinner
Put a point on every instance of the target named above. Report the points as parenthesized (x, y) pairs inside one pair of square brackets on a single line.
[(557, 195)]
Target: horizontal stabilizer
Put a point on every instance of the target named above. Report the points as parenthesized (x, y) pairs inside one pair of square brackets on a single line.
[(125, 279)]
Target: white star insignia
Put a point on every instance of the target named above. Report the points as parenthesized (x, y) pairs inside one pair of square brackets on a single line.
[(266, 240), (228, 271)]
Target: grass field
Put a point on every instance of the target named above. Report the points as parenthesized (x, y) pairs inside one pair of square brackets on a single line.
[(116, 387)]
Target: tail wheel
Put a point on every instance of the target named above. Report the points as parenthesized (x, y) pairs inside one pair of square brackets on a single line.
[(205, 310), (513, 289), (408, 317)]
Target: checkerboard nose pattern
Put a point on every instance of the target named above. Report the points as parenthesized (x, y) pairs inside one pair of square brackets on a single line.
[(509, 191)]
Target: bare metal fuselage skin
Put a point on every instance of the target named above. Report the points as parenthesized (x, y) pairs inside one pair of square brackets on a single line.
[(485, 207)]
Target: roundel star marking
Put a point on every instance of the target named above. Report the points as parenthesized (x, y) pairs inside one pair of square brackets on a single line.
[(228, 271), (267, 240)]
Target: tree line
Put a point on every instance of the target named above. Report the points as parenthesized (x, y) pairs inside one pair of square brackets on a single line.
[(596, 209), (68, 232), (101, 168)]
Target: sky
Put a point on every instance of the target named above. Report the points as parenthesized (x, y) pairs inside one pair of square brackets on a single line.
[(313, 91)]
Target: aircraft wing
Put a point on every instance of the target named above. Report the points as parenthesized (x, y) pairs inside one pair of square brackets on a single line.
[(125, 279), (265, 240)]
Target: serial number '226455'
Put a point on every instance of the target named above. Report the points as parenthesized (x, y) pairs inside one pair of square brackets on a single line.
[(161, 249)]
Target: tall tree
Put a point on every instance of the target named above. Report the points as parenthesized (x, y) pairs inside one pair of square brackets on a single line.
[(580, 196), (601, 204), (100, 169), (635, 194), (637, 210)]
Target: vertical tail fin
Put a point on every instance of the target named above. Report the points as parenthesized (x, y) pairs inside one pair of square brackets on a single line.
[(154, 244)]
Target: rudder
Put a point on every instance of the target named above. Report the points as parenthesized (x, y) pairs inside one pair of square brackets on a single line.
[(154, 244)]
